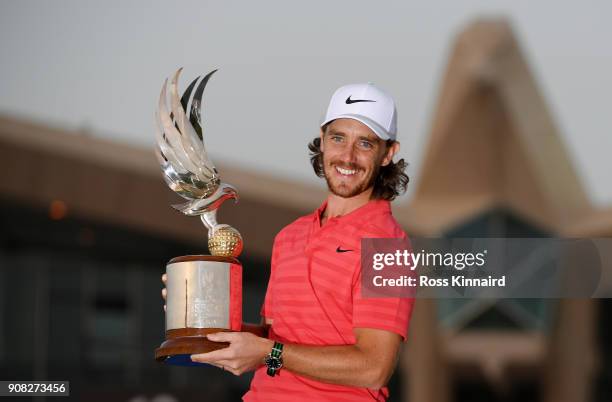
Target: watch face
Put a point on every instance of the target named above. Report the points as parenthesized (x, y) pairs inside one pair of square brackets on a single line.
[(274, 362)]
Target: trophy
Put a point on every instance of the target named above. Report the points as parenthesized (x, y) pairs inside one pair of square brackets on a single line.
[(204, 292)]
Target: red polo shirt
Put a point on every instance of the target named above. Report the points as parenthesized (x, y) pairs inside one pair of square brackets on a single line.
[(314, 298)]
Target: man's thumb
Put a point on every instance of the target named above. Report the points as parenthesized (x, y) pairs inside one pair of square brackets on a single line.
[(219, 337)]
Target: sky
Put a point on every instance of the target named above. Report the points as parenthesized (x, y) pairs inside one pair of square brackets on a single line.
[(98, 66)]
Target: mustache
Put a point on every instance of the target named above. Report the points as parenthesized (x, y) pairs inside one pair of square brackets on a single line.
[(344, 165)]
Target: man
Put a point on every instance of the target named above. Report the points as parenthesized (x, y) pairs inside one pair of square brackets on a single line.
[(325, 341)]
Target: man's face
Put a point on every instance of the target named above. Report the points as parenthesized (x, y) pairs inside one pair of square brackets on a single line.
[(352, 157)]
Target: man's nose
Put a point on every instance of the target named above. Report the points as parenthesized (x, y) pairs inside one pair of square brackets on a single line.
[(349, 153)]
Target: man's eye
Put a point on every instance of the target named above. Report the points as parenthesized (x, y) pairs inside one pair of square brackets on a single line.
[(366, 144), (336, 138)]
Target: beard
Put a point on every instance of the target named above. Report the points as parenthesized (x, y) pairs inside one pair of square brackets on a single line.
[(347, 190)]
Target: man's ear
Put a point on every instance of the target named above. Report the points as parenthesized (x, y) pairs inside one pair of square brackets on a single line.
[(322, 133), (391, 151)]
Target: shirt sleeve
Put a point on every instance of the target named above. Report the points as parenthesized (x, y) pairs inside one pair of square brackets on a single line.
[(387, 313)]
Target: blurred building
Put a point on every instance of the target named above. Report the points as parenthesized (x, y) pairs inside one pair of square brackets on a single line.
[(495, 166), (87, 229)]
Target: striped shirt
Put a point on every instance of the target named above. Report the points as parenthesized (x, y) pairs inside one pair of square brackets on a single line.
[(314, 298)]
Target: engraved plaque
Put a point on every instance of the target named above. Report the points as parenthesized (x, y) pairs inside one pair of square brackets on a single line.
[(198, 295)]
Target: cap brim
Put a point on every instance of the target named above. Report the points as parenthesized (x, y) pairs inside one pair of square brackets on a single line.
[(372, 125)]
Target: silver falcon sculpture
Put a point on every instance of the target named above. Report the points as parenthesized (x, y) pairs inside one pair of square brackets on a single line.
[(185, 164)]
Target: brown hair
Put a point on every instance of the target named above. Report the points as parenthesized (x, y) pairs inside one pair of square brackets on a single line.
[(391, 181)]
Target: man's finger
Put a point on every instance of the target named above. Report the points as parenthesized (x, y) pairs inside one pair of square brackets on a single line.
[(226, 366), (222, 364), (164, 278), (212, 357), (222, 336), (218, 365), (164, 293)]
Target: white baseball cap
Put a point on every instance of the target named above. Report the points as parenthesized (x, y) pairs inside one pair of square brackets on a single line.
[(365, 103)]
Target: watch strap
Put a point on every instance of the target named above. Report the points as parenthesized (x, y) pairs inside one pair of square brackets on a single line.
[(275, 354), (277, 349)]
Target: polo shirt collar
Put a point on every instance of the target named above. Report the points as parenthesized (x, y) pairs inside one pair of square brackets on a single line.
[(381, 206)]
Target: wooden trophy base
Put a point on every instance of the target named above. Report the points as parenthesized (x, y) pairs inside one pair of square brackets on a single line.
[(188, 341)]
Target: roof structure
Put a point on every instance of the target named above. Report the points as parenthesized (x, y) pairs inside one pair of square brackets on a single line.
[(494, 144)]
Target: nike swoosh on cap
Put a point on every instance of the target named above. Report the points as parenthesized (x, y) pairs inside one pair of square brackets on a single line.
[(349, 100), (339, 250)]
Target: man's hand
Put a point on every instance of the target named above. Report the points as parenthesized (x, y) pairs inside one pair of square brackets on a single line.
[(164, 292), (245, 352)]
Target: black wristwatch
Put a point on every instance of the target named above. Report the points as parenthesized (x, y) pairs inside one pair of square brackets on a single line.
[(274, 361)]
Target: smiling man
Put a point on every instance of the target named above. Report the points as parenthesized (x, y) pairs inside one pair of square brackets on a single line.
[(325, 342)]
